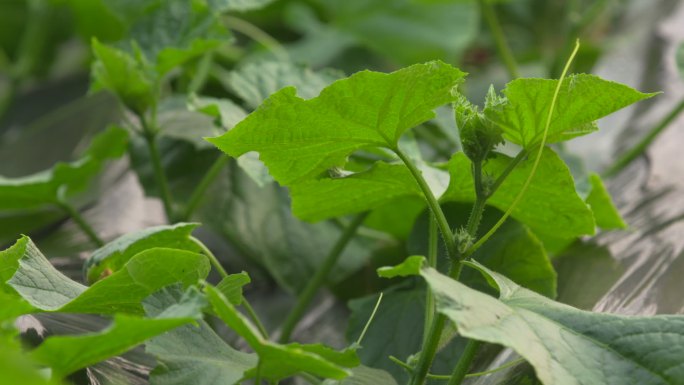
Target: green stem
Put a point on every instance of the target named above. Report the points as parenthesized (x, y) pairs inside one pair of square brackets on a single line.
[(203, 185), (202, 74), (432, 262), (442, 223), (257, 376), (511, 166), (495, 28), (150, 136), (223, 273), (88, 230), (312, 287), (464, 362), (636, 151)]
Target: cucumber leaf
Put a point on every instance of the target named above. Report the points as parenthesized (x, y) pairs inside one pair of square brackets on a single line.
[(46, 289), (231, 287), (550, 205), (254, 82), (66, 354), (114, 255), (582, 100), (325, 198), (64, 178), (192, 355), (549, 335), (298, 139)]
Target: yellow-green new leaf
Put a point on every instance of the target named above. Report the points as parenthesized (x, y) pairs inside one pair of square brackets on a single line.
[(582, 100), (298, 139)]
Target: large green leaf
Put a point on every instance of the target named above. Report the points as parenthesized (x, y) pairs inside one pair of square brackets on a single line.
[(115, 254), (259, 223), (550, 205), (298, 139), (192, 354), (582, 99), (64, 178), (46, 289), (280, 361), (66, 354), (255, 82), (564, 345), (333, 197)]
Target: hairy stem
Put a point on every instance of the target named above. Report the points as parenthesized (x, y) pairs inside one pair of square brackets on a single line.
[(502, 47), (203, 185), (477, 374), (223, 273), (150, 136), (636, 151), (312, 287), (464, 362), (87, 229), (442, 223)]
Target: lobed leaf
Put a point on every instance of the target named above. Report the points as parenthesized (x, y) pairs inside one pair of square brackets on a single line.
[(231, 287), (563, 344), (298, 139), (582, 100), (46, 289), (550, 205)]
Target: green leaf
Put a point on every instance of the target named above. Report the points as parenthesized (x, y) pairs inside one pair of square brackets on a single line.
[(66, 354), (582, 100), (9, 262), (605, 212), (255, 82), (564, 345), (405, 31), (280, 361), (12, 307), (288, 248), (16, 367), (64, 178), (410, 266), (231, 287), (225, 110), (334, 197), (113, 256), (192, 354), (550, 205), (298, 139), (46, 289), (363, 375), (125, 76)]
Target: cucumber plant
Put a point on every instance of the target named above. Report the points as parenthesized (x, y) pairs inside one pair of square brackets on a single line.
[(345, 150)]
